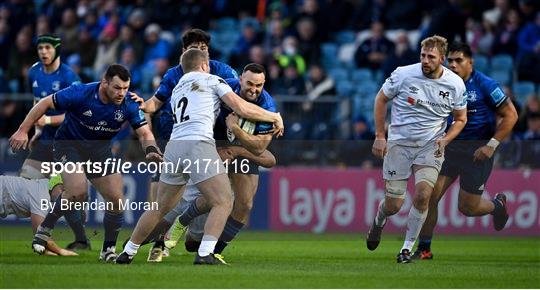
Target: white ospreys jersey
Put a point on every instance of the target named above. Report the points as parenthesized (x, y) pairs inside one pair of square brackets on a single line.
[(22, 197), (195, 103), (420, 105)]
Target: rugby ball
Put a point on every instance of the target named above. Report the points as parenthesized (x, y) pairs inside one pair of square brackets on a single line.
[(244, 124)]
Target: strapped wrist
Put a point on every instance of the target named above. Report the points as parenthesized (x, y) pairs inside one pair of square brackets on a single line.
[(493, 143)]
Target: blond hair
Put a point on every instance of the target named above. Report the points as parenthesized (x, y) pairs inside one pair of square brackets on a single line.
[(192, 58), (436, 41)]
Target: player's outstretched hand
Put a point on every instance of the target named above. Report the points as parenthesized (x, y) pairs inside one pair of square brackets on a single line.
[(19, 140), (379, 147), (483, 153), (441, 144), (279, 128)]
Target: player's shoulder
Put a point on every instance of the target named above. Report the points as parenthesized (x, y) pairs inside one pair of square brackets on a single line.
[(266, 101), (233, 83), (222, 69), (34, 68), (482, 79), (407, 71), (452, 77)]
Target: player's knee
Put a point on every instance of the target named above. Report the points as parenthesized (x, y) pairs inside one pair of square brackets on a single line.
[(428, 175), (30, 172), (391, 208), (421, 200), (396, 188)]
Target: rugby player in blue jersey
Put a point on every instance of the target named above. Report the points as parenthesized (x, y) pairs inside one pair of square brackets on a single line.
[(48, 76), (94, 114), (470, 155), (193, 38)]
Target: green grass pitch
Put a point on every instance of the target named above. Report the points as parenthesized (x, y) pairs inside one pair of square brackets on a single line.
[(281, 260)]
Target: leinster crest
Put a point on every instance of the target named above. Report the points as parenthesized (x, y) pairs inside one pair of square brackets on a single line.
[(119, 116)]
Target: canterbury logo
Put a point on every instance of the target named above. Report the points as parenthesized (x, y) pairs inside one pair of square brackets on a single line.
[(88, 113)]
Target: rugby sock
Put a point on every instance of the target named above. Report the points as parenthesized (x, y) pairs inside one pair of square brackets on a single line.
[(112, 223), (414, 225), (131, 248), (158, 233), (232, 227), (189, 214), (424, 243), (207, 246), (75, 221), (53, 216), (380, 219)]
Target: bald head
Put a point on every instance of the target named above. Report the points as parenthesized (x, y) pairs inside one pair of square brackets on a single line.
[(193, 60)]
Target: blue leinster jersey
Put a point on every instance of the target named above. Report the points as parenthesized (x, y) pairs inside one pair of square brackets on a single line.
[(169, 81), (264, 101), (484, 97), (44, 84), (88, 118)]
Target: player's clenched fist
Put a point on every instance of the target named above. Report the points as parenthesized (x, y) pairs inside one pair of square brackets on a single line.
[(379, 147)]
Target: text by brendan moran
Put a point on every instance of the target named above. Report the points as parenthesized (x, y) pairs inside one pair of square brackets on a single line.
[(99, 205)]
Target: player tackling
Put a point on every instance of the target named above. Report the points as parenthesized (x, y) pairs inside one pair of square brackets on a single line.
[(195, 102), (423, 96)]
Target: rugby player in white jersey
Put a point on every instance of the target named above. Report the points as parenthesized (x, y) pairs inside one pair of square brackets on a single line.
[(423, 96), (196, 102), (30, 198)]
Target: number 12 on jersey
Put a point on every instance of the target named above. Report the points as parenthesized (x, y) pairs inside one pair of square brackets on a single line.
[(182, 104)]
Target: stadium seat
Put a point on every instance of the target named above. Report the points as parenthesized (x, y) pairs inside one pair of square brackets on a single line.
[(339, 74), (367, 88), (361, 75), (344, 88), (345, 36), (502, 62), (501, 76), (522, 90), (227, 24), (481, 63), (329, 50)]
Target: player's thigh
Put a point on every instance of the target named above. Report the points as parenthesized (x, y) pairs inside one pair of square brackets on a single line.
[(441, 186), (75, 186), (397, 162), (244, 187), (216, 189), (168, 196), (110, 186), (31, 169), (474, 175), (467, 200)]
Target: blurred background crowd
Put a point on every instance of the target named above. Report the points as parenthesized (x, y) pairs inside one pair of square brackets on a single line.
[(325, 59)]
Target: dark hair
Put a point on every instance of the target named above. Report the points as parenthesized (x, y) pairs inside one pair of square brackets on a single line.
[(195, 35), (460, 47), (255, 68), (117, 70), (192, 58)]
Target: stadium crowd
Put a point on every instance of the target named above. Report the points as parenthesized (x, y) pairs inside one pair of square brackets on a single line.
[(340, 50)]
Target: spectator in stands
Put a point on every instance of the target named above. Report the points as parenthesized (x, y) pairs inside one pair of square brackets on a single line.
[(375, 50), (137, 21), (506, 39), (5, 44), (531, 144), (42, 25), (11, 115), (274, 36), (55, 9), (156, 47), (249, 37), (447, 20), (483, 37), (90, 23), (69, 32), (128, 59), (531, 106), (74, 62), (528, 10), (318, 84), (309, 45), (402, 55), (496, 14), (368, 12), (87, 49), (107, 49), (129, 39), (22, 56), (289, 55), (310, 9), (291, 83), (529, 51)]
